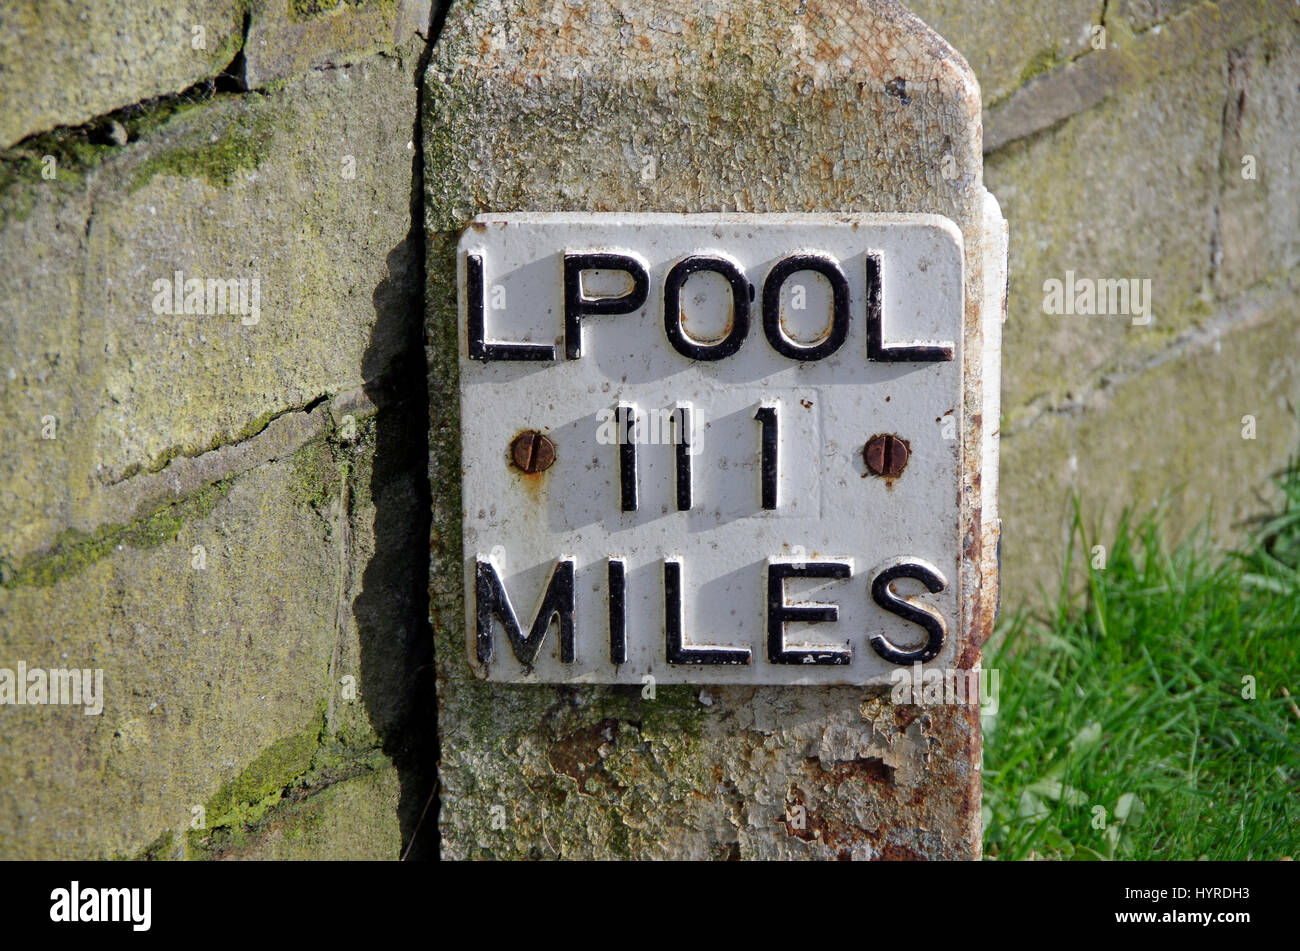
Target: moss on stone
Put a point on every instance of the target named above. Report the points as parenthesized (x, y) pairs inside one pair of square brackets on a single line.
[(1044, 61), (318, 472), (248, 796), (159, 849), (278, 765), (348, 817), (78, 150), (23, 165), (241, 147), (283, 789), (74, 550), (675, 710)]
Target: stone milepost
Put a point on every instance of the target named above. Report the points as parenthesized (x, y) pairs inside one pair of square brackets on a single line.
[(720, 288)]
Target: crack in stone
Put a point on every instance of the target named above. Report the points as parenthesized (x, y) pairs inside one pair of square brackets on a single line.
[(161, 463), (227, 82)]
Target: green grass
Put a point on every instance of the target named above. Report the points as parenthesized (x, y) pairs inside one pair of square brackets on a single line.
[(1122, 729)]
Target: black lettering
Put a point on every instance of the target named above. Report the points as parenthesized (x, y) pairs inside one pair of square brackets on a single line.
[(576, 306), (617, 611), (778, 612), (928, 618), (682, 420), (627, 456), (479, 348), (876, 349), (768, 455), (491, 601), (839, 329), (740, 294), (677, 652)]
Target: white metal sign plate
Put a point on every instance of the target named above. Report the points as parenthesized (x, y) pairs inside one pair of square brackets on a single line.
[(716, 448)]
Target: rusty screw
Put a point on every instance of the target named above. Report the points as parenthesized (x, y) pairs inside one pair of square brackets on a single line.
[(532, 452), (886, 455)]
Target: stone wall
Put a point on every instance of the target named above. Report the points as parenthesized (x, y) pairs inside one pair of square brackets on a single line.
[(1168, 155), (229, 514)]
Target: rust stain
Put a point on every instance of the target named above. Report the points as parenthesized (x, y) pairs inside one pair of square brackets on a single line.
[(868, 769), (532, 452), (580, 756), (818, 826), (534, 485), (905, 714), (886, 454), (899, 853), (726, 330)]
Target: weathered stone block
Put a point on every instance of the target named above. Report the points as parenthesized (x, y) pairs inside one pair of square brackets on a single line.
[(42, 469), (1259, 207), (288, 37), (304, 194), (1143, 14), (1123, 191), (1128, 60), (214, 676), (63, 62)]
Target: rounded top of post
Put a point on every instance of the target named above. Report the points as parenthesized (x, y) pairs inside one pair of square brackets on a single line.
[(810, 43)]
